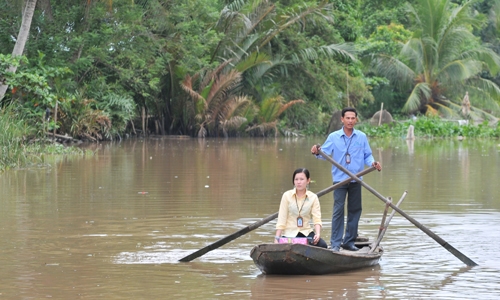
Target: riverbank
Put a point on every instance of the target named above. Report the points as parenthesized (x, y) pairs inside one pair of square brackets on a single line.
[(23, 145), (21, 148)]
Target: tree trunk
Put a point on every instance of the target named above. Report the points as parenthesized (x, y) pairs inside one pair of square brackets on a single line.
[(46, 7), (143, 117), (24, 31)]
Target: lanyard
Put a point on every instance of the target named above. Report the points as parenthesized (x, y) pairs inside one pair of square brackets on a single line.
[(350, 140), (296, 203), (347, 154)]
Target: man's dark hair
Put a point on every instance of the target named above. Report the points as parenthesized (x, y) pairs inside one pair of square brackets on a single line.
[(349, 109)]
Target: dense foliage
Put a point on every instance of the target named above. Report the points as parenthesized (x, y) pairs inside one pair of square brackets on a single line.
[(101, 69), (433, 127)]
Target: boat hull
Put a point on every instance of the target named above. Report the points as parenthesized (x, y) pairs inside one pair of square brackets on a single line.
[(298, 259)]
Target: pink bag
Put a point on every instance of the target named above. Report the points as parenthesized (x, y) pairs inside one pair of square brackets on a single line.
[(295, 240)]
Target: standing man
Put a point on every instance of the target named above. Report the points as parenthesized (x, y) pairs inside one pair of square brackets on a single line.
[(349, 147)]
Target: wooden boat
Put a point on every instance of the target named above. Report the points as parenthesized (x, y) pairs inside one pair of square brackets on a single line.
[(303, 259), (299, 259)]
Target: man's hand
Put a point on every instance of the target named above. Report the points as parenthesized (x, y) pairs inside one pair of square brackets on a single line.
[(314, 149), (377, 166)]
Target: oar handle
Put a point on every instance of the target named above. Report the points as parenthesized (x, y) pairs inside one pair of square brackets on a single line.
[(434, 236), (346, 181)]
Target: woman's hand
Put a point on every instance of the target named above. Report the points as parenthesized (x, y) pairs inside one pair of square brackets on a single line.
[(277, 236), (316, 238)]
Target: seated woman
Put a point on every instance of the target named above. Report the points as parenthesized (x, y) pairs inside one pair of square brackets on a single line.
[(299, 210)]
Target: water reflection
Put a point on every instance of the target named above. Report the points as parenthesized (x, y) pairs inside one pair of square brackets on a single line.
[(114, 225), (348, 285)]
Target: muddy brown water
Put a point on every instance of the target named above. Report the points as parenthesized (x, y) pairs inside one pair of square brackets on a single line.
[(114, 225)]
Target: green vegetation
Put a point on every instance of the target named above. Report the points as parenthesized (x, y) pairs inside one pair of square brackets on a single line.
[(432, 127), (12, 140), (223, 68), (442, 61), (21, 146)]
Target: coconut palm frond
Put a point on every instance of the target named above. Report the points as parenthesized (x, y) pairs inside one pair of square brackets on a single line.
[(221, 95), (272, 107), (250, 112), (495, 15), (475, 113), (445, 110), (238, 23), (236, 5), (252, 60), (410, 9), (264, 127), (267, 71), (261, 12), (458, 71), (230, 16), (412, 53), (239, 49), (288, 105), (454, 25), (479, 114), (488, 93), (222, 86), (395, 70), (235, 122), (269, 109), (421, 92), (232, 125), (345, 52), (187, 86), (241, 105), (432, 16), (235, 107), (489, 57), (461, 16), (448, 49), (211, 75), (290, 19)]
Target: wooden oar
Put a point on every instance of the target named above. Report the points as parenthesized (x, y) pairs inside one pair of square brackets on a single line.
[(382, 222), (383, 228), (255, 225), (469, 262)]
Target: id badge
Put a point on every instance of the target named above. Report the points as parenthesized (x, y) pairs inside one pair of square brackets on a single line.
[(300, 222), (348, 158)]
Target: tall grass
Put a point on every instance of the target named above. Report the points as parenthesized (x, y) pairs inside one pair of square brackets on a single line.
[(14, 134)]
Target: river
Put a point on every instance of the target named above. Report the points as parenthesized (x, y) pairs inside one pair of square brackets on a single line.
[(113, 225)]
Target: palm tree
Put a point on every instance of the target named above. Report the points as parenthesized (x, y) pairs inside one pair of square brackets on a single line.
[(215, 100), (442, 60), (251, 27), (255, 44), (270, 109)]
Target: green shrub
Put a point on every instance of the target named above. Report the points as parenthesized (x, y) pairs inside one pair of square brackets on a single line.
[(13, 139)]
